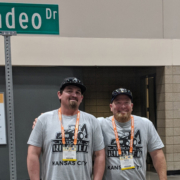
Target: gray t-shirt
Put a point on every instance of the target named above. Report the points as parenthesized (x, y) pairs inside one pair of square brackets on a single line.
[(47, 135), (145, 139)]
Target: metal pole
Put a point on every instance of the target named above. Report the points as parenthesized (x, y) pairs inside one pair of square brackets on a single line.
[(10, 104), (147, 97)]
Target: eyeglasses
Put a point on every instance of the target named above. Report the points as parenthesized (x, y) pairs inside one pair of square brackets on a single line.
[(121, 90)]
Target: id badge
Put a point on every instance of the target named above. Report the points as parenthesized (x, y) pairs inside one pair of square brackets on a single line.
[(69, 153), (127, 162)]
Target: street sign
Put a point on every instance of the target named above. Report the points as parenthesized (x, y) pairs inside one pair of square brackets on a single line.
[(29, 18)]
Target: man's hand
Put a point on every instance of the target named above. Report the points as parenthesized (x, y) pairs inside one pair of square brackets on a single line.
[(159, 163), (34, 123)]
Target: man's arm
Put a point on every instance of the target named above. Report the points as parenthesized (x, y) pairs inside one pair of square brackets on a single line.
[(159, 163), (33, 162), (99, 164)]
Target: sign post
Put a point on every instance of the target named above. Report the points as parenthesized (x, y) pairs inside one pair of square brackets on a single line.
[(10, 104), (23, 19)]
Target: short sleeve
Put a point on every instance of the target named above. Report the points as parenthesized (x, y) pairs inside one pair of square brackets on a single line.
[(154, 141), (100, 119), (98, 141), (36, 136)]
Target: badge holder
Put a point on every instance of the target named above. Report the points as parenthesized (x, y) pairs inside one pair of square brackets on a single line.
[(127, 162), (69, 153)]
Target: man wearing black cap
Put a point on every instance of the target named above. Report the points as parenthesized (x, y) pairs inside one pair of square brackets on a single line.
[(67, 139), (127, 139)]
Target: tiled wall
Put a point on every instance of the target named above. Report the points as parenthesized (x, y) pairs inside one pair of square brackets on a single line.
[(168, 113), (101, 81)]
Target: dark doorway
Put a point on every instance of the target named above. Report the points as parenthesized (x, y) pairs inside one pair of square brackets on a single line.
[(148, 99), (148, 108)]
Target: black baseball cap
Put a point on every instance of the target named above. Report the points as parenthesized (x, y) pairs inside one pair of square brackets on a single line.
[(73, 81), (119, 91)]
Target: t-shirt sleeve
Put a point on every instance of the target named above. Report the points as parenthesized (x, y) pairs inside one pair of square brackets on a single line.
[(98, 141), (154, 141), (36, 136)]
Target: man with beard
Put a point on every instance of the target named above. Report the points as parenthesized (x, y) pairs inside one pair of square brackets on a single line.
[(127, 139), (67, 139)]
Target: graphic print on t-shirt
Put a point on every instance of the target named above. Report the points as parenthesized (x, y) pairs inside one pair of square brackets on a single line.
[(82, 142), (124, 139)]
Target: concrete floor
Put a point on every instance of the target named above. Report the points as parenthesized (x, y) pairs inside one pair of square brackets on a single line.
[(154, 176)]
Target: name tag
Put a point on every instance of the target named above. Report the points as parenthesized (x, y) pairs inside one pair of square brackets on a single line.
[(127, 162), (69, 153)]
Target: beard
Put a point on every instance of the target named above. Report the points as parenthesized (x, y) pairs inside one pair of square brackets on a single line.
[(73, 104), (122, 117)]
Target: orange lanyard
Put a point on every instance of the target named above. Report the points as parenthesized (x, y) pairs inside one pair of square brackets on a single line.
[(117, 139), (76, 127)]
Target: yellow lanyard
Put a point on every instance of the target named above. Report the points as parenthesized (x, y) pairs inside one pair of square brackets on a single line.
[(117, 139), (76, 127)]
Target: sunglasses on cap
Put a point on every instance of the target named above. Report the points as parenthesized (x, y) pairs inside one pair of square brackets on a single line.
[(119, 91), (72, 80)]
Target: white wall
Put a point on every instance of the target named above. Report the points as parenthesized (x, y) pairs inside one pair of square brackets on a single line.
[(94, 33), (171, 9), (107, 18), (116, 18), (61, 51)]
